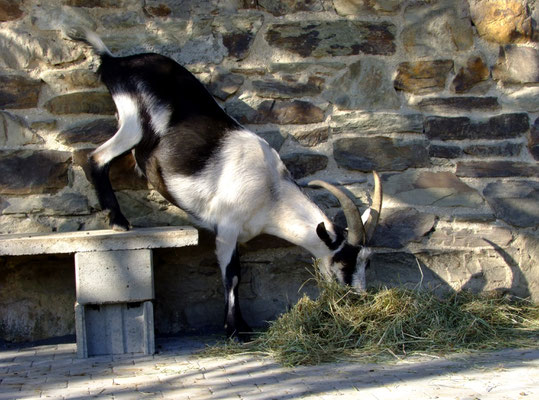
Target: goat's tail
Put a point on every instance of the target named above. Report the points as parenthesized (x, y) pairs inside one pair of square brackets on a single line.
[(86, 35)]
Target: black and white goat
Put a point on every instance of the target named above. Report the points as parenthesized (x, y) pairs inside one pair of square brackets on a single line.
[(227, 178)]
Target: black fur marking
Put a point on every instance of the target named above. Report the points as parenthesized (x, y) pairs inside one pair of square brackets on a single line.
[(347, 258), (324, 236), (105, 195), (196, 128), (197, 123), (234, 322)]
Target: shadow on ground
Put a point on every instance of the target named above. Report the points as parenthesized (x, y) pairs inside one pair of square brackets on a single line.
[(175, 372)]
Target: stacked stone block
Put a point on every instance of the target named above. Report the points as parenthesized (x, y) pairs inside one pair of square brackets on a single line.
[(440, 97)]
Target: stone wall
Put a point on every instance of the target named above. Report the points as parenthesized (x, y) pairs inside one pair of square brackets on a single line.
[(441, 97)]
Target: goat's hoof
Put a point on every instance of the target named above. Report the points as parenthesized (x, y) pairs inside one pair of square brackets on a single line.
[(241, 337), (120, 228), (245, 337), (119, 224), (243, 334)]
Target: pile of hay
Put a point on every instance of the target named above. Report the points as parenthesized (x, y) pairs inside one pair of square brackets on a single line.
[(340, 324)]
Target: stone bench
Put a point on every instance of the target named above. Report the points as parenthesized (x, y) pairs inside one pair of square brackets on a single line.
[(114, 282)]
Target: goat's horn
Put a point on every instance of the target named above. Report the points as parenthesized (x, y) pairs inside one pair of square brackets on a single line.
[(356, 230), (376, 208)]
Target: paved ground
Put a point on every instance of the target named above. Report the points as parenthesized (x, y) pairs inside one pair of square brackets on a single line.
[(53, 371)]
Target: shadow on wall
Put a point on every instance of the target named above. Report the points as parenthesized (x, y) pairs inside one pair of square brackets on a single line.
[(189, 290), (189, 294), (519, 283), (449, 272), (37, 294)]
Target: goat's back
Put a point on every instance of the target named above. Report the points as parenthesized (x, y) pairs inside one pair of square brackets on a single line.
[(164, 82)]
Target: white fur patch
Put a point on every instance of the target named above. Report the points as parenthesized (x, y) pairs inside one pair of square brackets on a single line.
[(359, 281), (365, 215), (244, 186), (231, 298), (235, 187), (128, 135), (159, 114)]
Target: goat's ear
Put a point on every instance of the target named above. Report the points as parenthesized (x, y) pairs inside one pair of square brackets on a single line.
[(324, 235)]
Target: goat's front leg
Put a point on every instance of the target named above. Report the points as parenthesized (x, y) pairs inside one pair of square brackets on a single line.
[(229, 261), (128, 136)]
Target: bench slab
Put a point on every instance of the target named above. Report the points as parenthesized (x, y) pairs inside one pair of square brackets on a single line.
[(97, 240)]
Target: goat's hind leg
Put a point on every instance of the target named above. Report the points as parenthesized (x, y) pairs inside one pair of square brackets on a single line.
[(128, 136)]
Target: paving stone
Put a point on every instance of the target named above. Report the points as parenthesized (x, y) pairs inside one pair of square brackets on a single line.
[(428, 377)]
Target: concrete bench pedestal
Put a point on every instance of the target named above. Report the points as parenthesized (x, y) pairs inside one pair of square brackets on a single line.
[(113, 281), (114, 329), (114, 310)]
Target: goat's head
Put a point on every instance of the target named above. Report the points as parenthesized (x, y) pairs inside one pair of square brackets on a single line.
[(350, 256)]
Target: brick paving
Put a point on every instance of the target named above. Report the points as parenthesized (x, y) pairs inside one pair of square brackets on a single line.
[(54, 372)]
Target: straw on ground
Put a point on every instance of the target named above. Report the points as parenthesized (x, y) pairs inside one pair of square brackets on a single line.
[(341, 323)]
